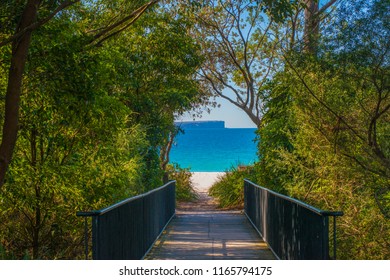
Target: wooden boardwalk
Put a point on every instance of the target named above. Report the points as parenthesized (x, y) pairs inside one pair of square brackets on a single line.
[(201, 232)]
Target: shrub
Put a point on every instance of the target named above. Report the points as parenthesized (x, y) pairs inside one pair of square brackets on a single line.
[(229, 189), (184, 186)]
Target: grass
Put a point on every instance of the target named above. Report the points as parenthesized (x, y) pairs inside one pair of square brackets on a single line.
[(229, 189)]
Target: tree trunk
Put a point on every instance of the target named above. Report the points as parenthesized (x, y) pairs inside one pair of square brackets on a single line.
[(311, 30), (164, 156), (312, 24), (12, 99)]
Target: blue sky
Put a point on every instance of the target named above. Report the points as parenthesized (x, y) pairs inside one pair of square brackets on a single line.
[(233, 116)]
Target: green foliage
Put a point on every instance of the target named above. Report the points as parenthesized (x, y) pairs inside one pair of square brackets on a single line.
[(75, 150), (4, 255), (184, 186), (324, 138), (274, 135), (279, 10), (94, 117), (93, 120), (229, 189)]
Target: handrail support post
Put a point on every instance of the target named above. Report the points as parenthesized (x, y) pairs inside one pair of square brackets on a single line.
[(334, 237), (86, 241)]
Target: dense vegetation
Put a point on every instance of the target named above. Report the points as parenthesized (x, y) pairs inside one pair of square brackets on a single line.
[(325, 131), (90, 89), (93, 119)]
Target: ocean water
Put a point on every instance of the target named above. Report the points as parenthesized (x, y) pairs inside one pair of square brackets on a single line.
[(214, 149)]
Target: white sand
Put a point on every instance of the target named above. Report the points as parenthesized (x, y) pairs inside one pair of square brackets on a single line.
[(204, 180)]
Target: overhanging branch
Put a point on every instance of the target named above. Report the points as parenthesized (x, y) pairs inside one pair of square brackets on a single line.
[(38, 24), (126, 21)]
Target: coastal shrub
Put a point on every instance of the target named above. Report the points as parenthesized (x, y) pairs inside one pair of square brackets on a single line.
[(316, 139), (184, 186), (229, 189)]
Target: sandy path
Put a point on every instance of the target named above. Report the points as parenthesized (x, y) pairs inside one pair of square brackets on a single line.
[(202, 183), (204, 180)]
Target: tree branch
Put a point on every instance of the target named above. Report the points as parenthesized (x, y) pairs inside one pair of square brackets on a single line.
[(326, 106), (326, 6), (217, 91), (38, 24), (133, 17)]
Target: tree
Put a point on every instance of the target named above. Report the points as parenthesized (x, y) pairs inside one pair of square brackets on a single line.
[(240, 55), (358, 57), (162, 83), (28, 22), (93, 119), (325, 132), (313, 17), (75, 150), (20, 46)]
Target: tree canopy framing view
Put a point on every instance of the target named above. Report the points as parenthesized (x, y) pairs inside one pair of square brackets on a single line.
[(90, 90)]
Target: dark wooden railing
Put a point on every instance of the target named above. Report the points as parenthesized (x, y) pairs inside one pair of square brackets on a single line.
[(292, 229), (127, 230)]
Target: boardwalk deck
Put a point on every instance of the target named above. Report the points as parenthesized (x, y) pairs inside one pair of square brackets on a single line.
[(200, 232)]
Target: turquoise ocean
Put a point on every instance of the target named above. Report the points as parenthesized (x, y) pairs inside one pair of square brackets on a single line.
[(214, 149)]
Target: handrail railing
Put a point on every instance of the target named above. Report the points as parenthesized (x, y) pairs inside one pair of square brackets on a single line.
[(128, 229), (292, 229)]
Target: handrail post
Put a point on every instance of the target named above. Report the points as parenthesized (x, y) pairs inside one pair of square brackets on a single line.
[(334, 214), (86, 237), (334, 237), (86, 215)]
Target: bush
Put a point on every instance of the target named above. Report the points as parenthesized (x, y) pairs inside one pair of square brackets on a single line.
[(229, 189), (184, 186)]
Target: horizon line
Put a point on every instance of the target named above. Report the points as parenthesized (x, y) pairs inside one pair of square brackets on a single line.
[(205, 121)]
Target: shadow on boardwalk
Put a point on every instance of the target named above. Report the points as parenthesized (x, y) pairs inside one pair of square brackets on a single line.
[(202, 232)]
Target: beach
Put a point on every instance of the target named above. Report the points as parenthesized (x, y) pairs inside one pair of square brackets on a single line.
[(204, 180)]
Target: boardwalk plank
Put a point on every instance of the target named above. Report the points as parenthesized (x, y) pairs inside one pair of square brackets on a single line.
[(200, 231), (210, 236)]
